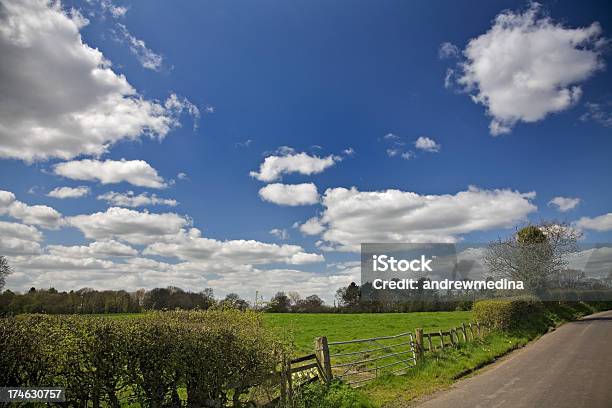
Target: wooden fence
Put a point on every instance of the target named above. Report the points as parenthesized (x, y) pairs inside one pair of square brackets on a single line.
[(362, 360)]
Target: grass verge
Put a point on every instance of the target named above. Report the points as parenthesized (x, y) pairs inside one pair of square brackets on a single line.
[(441, 369)]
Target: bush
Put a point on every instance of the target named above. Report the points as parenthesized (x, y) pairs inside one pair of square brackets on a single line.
[(214, 355), (505, 314)]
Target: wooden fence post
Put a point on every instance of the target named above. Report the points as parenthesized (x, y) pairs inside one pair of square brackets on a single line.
[(452, 337), (429, 342), (322, 353), (465, 339), (471, 331), (441, 339), (419, 343), (478, 329)]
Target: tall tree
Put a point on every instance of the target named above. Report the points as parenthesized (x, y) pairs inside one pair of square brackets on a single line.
[(535, 254)]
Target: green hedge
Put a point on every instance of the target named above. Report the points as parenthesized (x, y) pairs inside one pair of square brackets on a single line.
[(505, 314), (164, 359)]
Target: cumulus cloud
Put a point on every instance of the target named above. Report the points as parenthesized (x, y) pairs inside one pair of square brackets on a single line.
[(275, 166), (290, 194), (191, 246), (601, 223), (19, 239), (68, 192), (65, 99), (130, 199), (312, 227), (528, 66), (136, 172), (129, 225), (40, 215), (351, 217), (564, 204), (427, 144), (98, 249)]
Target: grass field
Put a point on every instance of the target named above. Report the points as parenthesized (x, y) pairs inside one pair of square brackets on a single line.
[(339, 327)]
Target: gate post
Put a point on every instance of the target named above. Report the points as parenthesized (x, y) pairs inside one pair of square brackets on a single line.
[(419, 343), (322, 353)]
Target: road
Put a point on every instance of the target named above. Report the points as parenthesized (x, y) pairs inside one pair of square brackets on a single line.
[(569, 367)]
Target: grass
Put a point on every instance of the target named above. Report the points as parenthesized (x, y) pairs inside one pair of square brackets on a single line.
[(440, 369), (305, 327)]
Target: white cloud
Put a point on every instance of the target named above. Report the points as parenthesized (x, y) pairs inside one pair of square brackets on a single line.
[(601, 223), (182, 176), (407, 155), (349, 151), (68, 192), (528, 66), (98, 249), (352, 217), (280, 233), (448, 50), (599, 113), (136, 172), (147, 57), (312, 227), (393, 152), (274, 167), (427, 144), (40, 215), (290, 194), (129, 225), (448, 78), (19, 239), (177, 105), (65, 100), (191, 246), (391, 136), (564, 204), (114, 10), (129, 199)]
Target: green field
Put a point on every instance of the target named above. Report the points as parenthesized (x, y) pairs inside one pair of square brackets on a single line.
[(305, 327)]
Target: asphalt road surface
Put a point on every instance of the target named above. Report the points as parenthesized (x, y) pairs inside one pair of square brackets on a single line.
[(569, 367)]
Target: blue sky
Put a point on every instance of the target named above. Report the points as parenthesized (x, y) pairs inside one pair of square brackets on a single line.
[(321, 78)]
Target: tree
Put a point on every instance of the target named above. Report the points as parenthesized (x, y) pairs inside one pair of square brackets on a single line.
[(5, 270), (280, 303), (234, 301), (536, 254), (348, 296)]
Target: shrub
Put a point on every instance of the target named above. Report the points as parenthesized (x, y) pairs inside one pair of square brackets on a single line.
[(505, 314), (215, 355)]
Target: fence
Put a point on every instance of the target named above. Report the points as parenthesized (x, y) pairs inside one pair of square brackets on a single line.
[(362, 360)]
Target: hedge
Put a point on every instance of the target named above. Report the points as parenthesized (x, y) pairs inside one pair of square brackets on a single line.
[(505, 314), (165, 359)]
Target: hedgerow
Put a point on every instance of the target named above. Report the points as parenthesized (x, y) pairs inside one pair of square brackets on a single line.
[(505, 314), (210, 357)]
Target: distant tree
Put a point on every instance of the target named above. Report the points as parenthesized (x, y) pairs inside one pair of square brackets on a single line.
[(535, 254), (311, 304), (295, 297), (5, 270), (234, 301), (348, 296), (280, 303)]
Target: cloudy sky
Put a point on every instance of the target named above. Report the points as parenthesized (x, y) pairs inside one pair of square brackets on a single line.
[(254, 145)]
